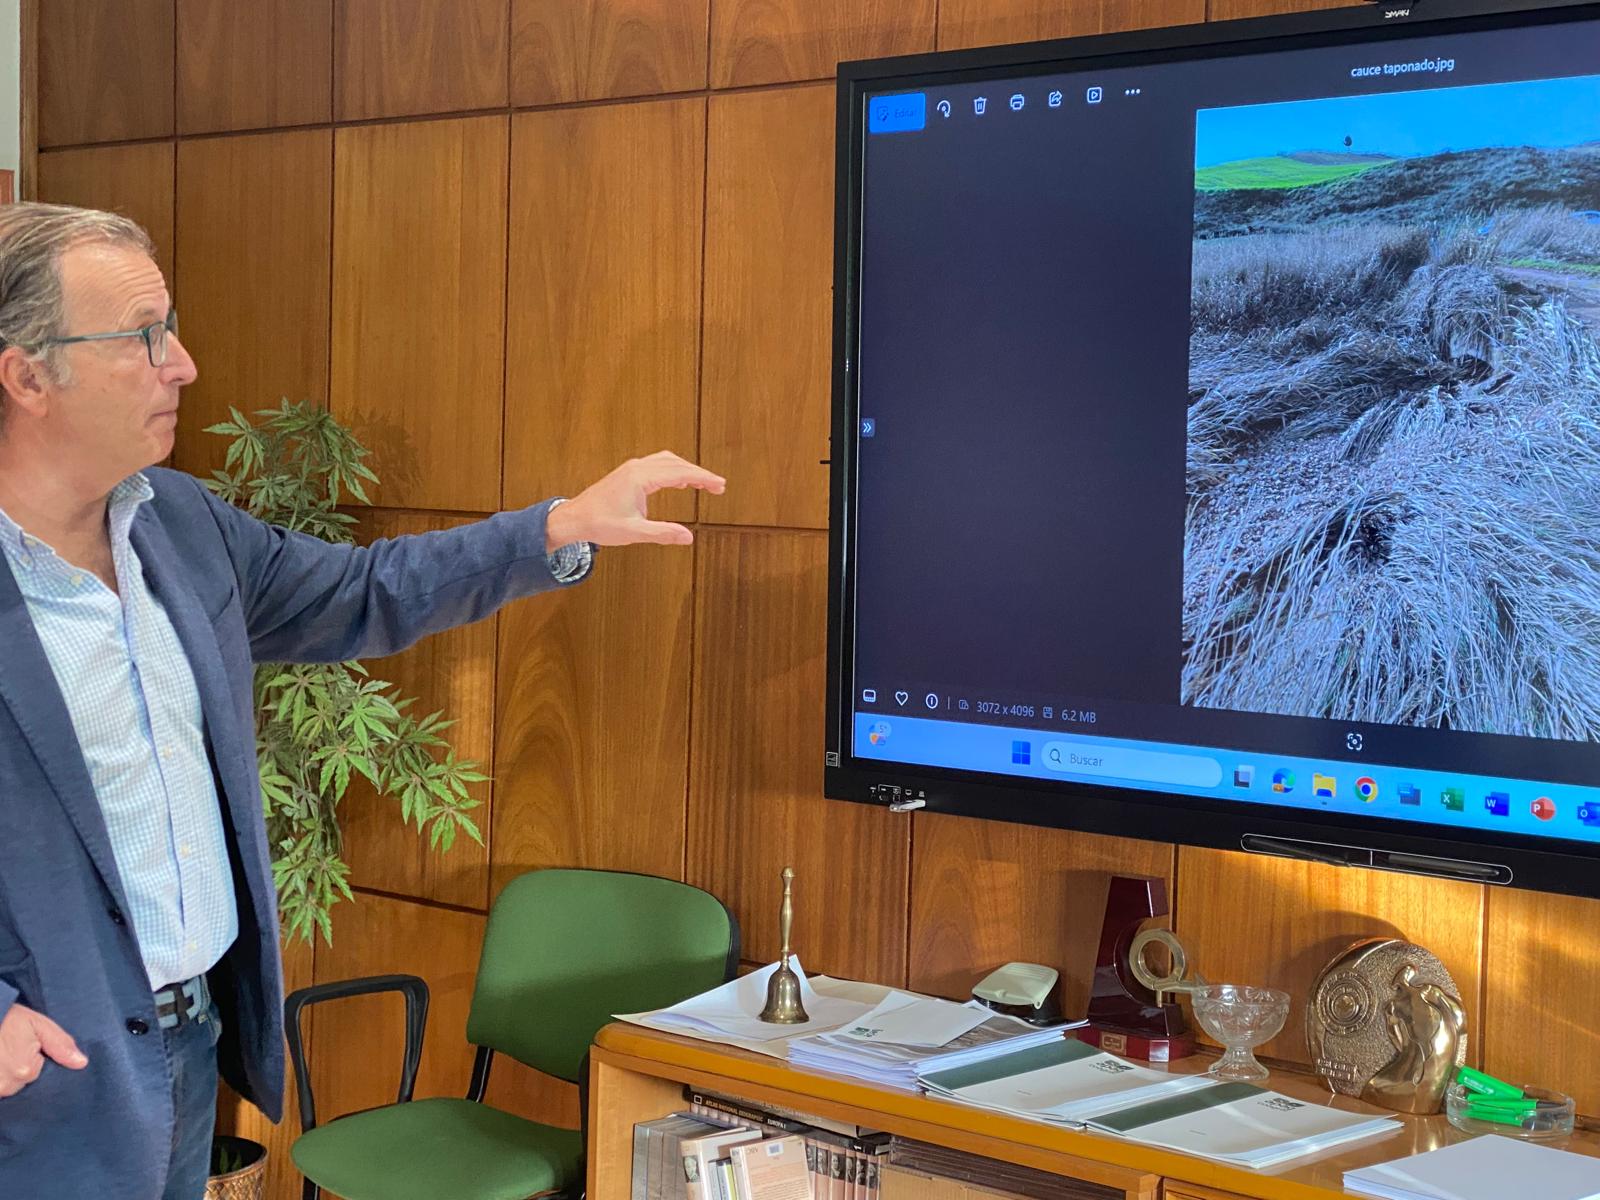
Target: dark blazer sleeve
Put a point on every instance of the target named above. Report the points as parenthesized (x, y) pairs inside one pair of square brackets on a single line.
[(306, 600)]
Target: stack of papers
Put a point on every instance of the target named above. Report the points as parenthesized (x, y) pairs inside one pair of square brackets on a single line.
[(1065, 1080), (1485, 1168), (907, 1036), (1241, 1124), (731, 1014), (1070, 1082)]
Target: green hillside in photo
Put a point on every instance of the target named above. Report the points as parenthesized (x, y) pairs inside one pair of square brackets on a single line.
[(1278, 171)]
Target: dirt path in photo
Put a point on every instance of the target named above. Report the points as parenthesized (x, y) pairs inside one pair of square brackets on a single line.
[(1582, 291)]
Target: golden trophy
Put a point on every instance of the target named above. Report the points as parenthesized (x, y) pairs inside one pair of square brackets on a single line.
[(1385, 1023), (783, 989)]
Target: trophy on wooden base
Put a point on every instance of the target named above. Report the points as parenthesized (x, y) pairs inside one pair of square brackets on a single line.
[(1132, 1010)]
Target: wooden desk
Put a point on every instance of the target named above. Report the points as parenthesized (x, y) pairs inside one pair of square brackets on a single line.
[(638, 1074)]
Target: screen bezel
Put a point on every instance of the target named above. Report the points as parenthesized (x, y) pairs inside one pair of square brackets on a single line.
[(1523, 861)]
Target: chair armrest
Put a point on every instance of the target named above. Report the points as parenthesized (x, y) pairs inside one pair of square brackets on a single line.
[(415, 991)]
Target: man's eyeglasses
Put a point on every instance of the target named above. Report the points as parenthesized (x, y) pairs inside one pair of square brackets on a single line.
[(154, 335)]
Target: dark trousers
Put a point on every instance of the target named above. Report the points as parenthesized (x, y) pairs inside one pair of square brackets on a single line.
[(192, 1055)]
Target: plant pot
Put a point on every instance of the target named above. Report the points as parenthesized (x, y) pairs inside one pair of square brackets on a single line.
[(246, 1182)]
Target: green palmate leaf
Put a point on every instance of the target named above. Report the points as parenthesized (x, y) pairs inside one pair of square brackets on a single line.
[(318, 725)]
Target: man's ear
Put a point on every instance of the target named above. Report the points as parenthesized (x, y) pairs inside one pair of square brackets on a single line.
[(24, 381)]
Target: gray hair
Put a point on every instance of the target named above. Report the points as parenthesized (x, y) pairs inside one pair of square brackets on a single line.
[(33, 238)]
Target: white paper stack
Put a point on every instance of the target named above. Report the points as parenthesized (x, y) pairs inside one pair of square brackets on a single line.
[(1241, 1124), (1484, 1168), (1064, 1080), (731, 1014), (908, 1035)]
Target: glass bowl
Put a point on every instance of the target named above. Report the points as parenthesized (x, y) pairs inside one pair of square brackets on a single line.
[(1239, 1019), (1554, 1119)]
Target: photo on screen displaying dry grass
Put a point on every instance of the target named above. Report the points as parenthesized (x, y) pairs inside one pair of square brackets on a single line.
[(1394, 410)]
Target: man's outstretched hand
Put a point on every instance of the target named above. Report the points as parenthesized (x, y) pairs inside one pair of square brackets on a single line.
[(612, 511), (27, 1038)]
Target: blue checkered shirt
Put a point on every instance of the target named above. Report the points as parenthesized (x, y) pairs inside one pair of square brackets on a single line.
[(136, 712)]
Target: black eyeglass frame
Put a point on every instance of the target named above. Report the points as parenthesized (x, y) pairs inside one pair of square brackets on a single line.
[(148, 332)]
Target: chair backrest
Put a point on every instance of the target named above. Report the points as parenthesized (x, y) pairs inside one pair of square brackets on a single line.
[(566, 949)]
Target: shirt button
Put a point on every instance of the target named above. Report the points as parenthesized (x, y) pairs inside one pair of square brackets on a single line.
[(185, 850), (191, 947), (166, 752), (138, 1026), (77, 581)]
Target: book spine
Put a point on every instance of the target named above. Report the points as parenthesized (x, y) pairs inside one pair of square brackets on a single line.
[(641, 1160)]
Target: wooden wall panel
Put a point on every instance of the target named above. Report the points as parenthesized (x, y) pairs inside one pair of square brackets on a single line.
[(261, 65), (755, 773), (360, 1041), (452, 672), (253, 244), (135, 181), (985, 893), (1228, 10), (397, 58), (1275, 922), (419, 305), (105, 70), (773, 41), (591, 736), (595, 49), (603, 324), (768, 306), (238, 1116), (1542, 968), (996, 22)]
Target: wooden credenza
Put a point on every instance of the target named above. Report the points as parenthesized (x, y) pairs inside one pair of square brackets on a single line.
[(638, 1074)]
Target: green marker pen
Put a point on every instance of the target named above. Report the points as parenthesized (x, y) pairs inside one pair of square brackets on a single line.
[(1480, 1084)]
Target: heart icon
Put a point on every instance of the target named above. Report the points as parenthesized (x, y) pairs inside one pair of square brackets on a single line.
[(901, 697)]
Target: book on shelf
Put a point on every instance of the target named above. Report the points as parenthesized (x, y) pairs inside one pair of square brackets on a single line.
[(771, 1169)]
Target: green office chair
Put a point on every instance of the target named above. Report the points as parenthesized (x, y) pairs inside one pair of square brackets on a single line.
[(564, 950)]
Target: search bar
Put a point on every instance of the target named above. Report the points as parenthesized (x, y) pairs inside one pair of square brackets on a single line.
[(1140, 766)]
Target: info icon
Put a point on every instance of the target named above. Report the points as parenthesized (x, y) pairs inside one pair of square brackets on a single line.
[(1544, 808)]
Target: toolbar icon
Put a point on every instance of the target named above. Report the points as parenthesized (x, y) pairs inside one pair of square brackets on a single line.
[(979, 103), (944, 109)]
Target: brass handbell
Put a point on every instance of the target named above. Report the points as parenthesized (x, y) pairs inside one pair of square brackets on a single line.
[(783, 988)]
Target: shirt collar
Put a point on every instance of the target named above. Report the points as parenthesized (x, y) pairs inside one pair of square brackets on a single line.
[(121, 506)]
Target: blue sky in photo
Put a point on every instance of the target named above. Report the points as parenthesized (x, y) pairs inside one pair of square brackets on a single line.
[(1547, 113)]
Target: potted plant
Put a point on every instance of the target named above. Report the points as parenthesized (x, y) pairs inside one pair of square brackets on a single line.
[(318, 725)]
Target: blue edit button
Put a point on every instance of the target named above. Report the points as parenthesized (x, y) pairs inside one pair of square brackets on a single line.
[(897, 114)]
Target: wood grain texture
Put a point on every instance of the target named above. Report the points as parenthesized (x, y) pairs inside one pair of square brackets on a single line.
[(768, 307), (360, 1041), (776, 41), (597, 49), (453, 673), (1275, 922), (239, 1117), (252, 209), (136, 181), (985, 893), (1229, 10), (419, 306), (398, 58), (261, 65), (965, 23), (755, 775), (1543, 972), (603, 324), (591, 733), (105, 70)]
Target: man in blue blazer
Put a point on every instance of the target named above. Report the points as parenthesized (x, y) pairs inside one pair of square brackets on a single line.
[(138, 918)]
